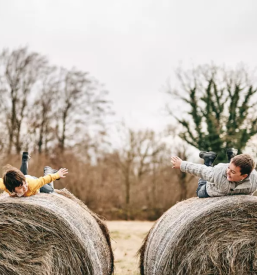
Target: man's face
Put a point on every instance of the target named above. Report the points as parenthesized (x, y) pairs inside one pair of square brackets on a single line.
[(234, 173), (22, 189)]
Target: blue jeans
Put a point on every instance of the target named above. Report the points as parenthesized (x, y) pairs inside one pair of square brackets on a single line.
[(46, 189), (201, 189)]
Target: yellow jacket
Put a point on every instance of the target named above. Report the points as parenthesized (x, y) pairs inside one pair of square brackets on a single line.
[(33, 184)]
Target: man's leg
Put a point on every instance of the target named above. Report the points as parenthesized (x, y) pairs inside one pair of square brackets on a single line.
[(208, 158), (24, 163)]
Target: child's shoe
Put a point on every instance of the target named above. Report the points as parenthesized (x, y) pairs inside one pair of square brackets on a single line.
[(231, 152), (208, 157), (25, 156), (49, 170), (25, 163)]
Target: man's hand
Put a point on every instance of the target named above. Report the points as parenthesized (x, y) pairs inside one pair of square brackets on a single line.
[(176, 162), (62, 172)]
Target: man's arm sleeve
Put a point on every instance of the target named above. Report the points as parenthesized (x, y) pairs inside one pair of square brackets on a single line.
[(199, 170), (35, 184)]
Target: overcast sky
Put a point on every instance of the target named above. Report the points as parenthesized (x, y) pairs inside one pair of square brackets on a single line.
[(133, 46)]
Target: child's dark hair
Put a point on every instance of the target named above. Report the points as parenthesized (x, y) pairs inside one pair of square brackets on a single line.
[(12, 177), (245, 162)]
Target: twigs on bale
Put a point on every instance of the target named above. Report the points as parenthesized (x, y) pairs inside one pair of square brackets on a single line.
[(203, 236), (52, 234)]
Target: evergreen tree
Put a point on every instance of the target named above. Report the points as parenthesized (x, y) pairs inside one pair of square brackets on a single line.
[(220, 111)]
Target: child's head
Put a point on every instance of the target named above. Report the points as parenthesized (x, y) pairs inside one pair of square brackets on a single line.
[(240, 167), (14, 180)]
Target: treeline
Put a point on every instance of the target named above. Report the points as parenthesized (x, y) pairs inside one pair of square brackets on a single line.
[(134, 182), (44, 107), (62, 117), (217, 107)]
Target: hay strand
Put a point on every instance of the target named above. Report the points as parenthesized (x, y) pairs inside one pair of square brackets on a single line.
[(203, 236), (52, 234)]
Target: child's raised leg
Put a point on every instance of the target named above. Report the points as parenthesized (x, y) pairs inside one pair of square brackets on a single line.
[(231, 152), (49, 170), (24, 163), (48, 188), (208, 158)]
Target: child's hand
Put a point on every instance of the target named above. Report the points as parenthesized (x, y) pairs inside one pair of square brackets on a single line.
[(176, 162), (62, 172)]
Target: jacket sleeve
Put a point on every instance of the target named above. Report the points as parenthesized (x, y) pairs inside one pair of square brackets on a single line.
[(35, 184), (2, 186), (199, 170), (212, 174)]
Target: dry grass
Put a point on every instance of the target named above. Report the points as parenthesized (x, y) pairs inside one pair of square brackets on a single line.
[(127, 237), (101, 187), (52, 234), (204, 236)]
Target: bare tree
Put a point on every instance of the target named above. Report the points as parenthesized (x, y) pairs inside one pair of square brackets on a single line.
[(43, 115), (137, 157), (20, 71), (82, 103), (180, 148)]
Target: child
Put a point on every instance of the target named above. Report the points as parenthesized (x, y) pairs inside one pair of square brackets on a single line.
[(47, 188), (236, 177), (17, 184)]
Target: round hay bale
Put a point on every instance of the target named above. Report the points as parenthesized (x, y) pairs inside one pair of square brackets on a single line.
[(52, 234), (203, 236)]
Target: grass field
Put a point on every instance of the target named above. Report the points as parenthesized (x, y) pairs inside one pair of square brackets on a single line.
[(127, 237)]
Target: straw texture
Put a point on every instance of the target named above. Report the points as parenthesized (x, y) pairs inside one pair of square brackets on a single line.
[(52, 234), (203, 236)]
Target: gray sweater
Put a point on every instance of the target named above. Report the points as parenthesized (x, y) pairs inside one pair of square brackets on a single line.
[(216, 177)]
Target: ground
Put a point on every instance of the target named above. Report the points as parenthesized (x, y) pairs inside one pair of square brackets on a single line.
[(127, 237)]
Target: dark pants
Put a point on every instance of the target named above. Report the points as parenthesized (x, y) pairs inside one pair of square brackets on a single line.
[(47, 188), (201, 189)]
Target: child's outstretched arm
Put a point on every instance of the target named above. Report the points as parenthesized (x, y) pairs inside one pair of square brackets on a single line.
[(2, 186), (62, 172), (199, 170), (35, 184), (176, 162)]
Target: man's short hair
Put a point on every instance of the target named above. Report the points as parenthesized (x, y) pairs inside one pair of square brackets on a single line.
[(12, 177), (245, 162)]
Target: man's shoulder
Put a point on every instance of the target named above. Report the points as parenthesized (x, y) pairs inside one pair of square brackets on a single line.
[(222, 165)]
